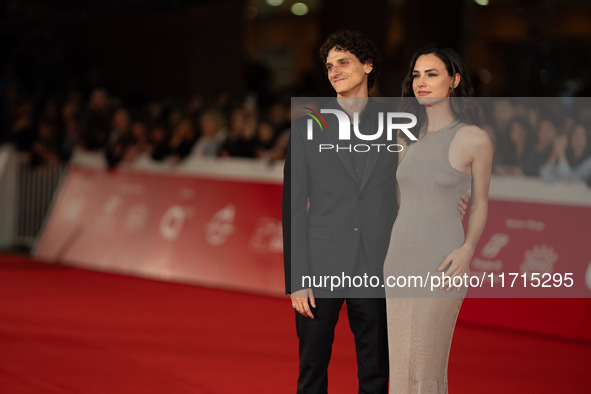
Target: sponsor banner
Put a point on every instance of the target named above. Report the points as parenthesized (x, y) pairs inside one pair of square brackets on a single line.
[(201, 230), (543, 239), (533, 250), (228, 233)]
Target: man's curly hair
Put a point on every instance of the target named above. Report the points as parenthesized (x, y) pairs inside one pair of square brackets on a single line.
[(356, 43)]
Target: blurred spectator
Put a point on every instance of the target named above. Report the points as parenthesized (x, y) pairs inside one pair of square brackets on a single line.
[(571, 157), (70, 140), (172, 116), (138, 143), (96, 121), (119, 137), (182, 140), (579, 148), (269, 145), (158, 143), (23, 127), (515, 148), (278, 116), (502, 113), (155, 113), (195, 107), (533, 117), (208, 144), (223, 102), (264, 140), (45, 149), (240, 141), (51, 112), (279, 150), (70, 110), (539, 155), (70, 130)]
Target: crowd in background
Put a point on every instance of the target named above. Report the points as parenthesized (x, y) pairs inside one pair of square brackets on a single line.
[(168, 131), (548, 139)]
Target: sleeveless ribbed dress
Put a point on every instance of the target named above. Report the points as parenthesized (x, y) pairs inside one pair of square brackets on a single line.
[(428, 227)]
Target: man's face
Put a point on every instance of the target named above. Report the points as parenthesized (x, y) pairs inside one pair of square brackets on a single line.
[(347, 75)]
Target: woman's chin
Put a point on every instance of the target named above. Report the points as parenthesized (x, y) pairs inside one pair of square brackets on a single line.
[(429, 100)]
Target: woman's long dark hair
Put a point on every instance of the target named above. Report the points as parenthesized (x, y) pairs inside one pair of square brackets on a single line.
[(463, 107)]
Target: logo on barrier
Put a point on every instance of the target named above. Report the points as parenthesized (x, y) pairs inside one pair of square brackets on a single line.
[(73, 210), (539, 259), (105, 220), (494, 245), (487, 265), (172, 222), (136, 218), (221, 225), (112, 204), (525, 224), (267, 236)]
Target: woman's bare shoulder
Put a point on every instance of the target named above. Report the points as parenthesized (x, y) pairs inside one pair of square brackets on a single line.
[(474, 136)]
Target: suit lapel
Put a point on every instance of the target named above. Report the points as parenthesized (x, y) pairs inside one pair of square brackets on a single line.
[(370, 164), (342, 154), (372, 155)]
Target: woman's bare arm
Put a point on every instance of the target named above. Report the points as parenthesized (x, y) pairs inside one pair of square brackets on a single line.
[(481, 163)]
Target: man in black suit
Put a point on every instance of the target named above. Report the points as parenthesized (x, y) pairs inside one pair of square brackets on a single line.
[(338, 212)]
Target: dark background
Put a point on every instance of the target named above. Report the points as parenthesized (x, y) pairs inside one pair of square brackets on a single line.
[(152, 49)]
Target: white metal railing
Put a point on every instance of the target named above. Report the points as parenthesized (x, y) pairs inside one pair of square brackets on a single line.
[(35, 187)]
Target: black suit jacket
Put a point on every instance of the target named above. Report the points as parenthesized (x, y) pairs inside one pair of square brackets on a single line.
[(345, 210)]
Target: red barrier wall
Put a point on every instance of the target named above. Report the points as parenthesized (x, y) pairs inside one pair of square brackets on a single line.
[(207, 231), (225, 231)]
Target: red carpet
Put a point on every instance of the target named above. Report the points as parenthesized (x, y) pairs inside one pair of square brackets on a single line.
[(65, 330)]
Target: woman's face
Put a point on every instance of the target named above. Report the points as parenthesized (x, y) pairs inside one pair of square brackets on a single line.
[(431, 79)]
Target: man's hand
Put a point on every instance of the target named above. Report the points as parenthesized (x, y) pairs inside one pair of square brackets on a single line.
[(463, 205), (301, 301)]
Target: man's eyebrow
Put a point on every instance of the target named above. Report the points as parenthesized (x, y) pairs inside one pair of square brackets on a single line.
[(338, 60)]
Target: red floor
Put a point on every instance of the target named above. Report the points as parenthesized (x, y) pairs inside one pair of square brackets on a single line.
[(65, 330)]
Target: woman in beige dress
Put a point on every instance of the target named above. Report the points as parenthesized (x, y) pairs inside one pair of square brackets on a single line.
[(451, 157)]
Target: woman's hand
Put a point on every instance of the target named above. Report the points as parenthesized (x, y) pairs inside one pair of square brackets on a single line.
[(458, 261)]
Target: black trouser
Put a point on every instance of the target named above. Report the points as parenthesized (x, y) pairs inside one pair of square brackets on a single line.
[(367, 319)]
